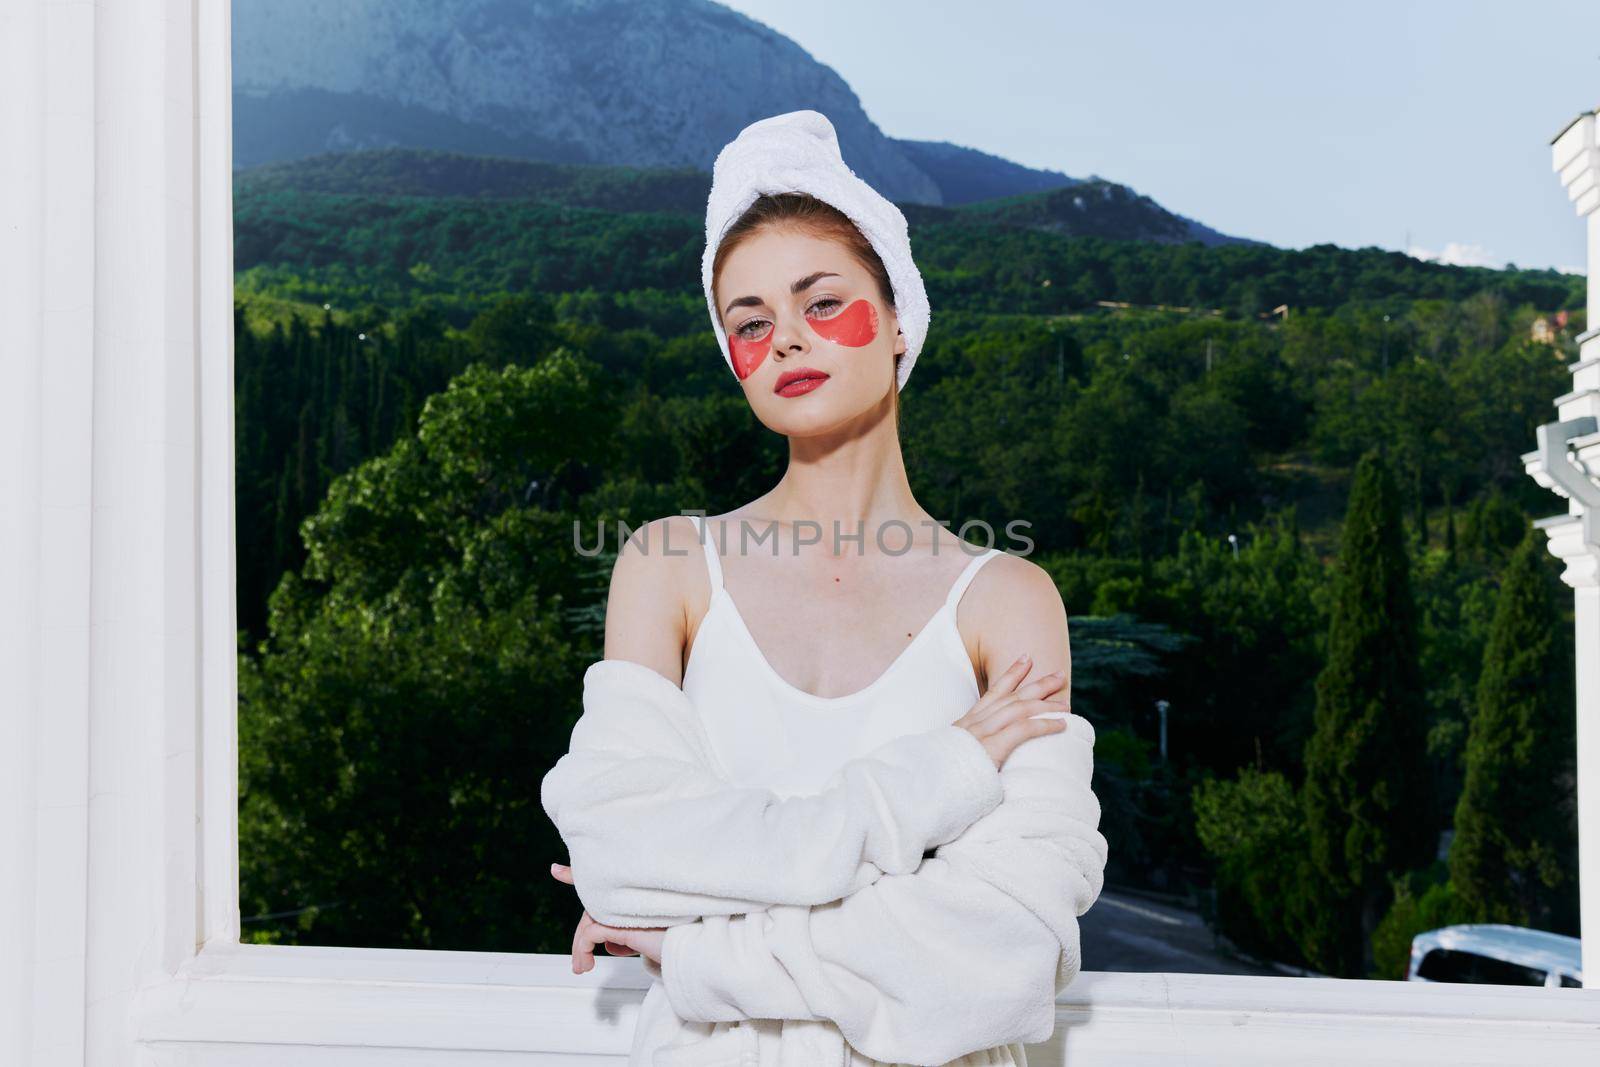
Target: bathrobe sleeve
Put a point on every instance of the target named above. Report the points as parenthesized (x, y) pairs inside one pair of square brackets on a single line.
[(657, 835), (966, 953)]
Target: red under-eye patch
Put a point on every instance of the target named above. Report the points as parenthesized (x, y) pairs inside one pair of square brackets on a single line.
[(853, 327), (747, 355)]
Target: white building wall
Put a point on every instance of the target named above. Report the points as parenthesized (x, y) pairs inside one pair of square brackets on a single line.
[(1571, 468)]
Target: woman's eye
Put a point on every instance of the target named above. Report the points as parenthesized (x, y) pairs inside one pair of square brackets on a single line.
[(751, 328)]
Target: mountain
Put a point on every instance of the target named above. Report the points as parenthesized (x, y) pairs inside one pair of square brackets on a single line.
[(1049, 200), (1088, 208), (430, 173), (966, 175), (657, 84), (1098, 208), (636, 82)]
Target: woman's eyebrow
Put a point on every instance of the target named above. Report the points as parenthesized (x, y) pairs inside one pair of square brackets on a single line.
[(800, 285)]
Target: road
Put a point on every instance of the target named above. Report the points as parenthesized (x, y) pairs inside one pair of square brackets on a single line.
[(1124, 932)]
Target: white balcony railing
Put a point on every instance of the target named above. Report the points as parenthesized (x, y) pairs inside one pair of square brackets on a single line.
[(262, 1004)]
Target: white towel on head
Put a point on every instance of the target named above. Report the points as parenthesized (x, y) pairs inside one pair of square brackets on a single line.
[(798, 152)]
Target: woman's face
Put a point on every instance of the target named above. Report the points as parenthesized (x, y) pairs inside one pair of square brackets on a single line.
[(813, 344)]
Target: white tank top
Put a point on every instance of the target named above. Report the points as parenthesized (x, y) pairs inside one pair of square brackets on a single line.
[(767, 732)]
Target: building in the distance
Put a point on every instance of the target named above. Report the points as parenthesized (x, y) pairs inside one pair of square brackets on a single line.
[(1548, 329)]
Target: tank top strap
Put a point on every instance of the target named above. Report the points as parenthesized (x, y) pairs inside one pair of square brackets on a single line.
[(966, 576), (713, 558)]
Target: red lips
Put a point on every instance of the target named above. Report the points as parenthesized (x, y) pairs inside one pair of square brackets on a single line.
[(798, 381)]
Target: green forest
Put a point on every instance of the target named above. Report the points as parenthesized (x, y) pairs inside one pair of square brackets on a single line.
[(1279, 490)]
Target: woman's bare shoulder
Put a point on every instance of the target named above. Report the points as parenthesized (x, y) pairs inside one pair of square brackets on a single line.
[(1013, 607), (646, 607)]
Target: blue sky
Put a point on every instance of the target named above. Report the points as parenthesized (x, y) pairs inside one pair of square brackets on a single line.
[(1355, 123)]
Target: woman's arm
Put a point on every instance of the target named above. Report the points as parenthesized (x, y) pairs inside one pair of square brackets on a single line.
[(656, 836), (965, 953)]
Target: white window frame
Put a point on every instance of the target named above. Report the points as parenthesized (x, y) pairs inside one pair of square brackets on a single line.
[(122, 905)]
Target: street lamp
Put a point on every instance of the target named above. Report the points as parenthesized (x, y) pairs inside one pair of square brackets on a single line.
[(1162, 706)]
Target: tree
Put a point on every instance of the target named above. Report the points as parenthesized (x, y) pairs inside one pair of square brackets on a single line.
[(1369, 808), (1514, 855), (1252, 826), (420, 670)]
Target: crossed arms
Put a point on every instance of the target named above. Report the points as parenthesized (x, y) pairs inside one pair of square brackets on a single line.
[(826, 906)]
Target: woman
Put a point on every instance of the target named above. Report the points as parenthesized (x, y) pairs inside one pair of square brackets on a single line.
[(838, 690)]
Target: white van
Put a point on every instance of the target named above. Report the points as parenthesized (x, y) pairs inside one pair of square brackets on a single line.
[(1497, 954)]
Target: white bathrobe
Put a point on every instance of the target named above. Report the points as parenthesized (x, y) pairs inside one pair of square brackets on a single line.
[(923, 903)]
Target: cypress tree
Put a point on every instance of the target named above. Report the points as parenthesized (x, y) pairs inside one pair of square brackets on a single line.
[(1368, 799), (1514, 856)]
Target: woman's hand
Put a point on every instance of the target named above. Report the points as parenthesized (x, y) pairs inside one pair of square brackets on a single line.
[(1004, 716), (618, 940)]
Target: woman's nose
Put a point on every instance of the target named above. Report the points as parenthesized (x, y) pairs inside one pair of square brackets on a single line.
[(788, 336)]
